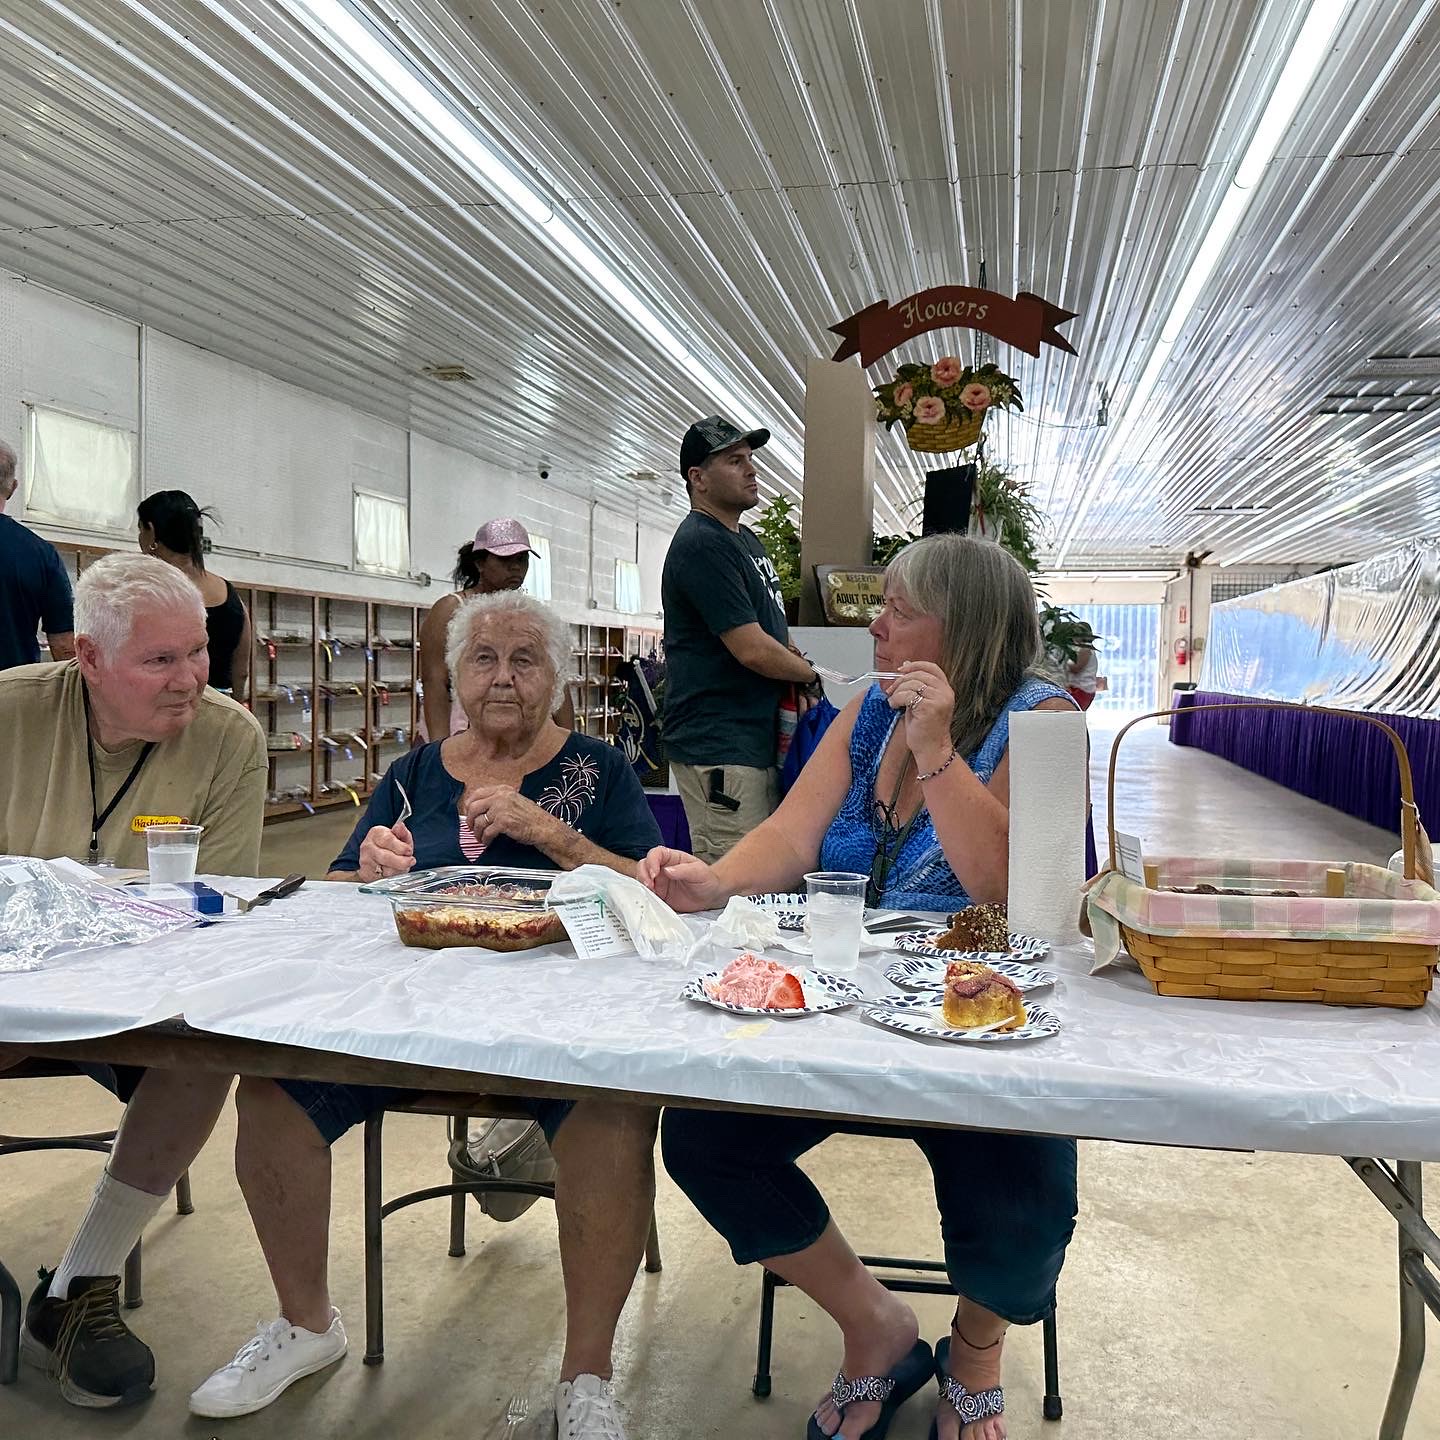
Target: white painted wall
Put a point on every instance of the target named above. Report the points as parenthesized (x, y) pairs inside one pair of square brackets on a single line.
[(279, 464)]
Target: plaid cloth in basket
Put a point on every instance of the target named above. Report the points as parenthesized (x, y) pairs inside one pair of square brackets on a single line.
[(1378, 904)]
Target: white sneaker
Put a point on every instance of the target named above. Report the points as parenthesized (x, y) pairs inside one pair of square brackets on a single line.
[(276, 1357), (585, 1410)]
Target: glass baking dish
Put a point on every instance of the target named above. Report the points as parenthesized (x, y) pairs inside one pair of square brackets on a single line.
[(492, 907)]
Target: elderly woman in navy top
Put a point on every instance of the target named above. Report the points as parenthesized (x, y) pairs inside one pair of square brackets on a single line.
[(910, 785), (513, 789)]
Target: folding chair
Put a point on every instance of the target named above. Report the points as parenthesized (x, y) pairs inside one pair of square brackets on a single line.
[(460, 1109)]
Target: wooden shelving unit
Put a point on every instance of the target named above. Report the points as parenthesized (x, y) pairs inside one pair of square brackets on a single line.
[(335, 682)]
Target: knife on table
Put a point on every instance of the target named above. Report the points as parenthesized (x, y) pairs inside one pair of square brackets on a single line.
[(288, 886)]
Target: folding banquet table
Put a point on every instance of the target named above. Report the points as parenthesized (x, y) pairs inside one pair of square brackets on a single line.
[(319, 987)]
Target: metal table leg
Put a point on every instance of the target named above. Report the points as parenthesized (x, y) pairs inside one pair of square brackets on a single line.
[(1400, 1191)]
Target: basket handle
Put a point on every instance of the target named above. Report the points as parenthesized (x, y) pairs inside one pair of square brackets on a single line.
[(1409, 815)]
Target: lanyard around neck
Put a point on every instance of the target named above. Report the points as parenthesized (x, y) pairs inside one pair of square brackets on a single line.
[(98, 817)]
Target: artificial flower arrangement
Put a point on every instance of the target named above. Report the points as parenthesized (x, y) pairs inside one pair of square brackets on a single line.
[(943, 406)]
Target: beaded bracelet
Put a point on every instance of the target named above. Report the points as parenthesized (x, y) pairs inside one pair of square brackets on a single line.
[(954, 753)]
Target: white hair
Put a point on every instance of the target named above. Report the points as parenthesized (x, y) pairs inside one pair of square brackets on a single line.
[(110, 591), (513, 605), (9, 480)]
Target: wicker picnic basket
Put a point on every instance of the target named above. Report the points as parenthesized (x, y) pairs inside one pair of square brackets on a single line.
[(1335, 968)]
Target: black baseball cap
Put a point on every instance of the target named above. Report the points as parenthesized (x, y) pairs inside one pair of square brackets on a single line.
[(712, 434)]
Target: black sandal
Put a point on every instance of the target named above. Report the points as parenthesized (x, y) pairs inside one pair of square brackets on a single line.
[(891, 1390), (970, 1405)]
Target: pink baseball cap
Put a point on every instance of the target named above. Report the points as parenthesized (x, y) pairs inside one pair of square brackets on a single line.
[(503, 537)]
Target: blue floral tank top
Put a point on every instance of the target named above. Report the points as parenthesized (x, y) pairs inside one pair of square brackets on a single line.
[(921, 878)]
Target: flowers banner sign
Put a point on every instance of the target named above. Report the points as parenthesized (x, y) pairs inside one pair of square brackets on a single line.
[(1026, 322)]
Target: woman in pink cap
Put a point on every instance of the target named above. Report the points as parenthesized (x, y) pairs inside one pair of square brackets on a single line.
[(497, 559)]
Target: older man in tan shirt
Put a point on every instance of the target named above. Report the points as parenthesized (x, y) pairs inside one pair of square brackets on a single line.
[(126, 733)]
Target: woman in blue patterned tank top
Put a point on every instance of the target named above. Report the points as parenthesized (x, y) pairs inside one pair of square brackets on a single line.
[(909, 786)]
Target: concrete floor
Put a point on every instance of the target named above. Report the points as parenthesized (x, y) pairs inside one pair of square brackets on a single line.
[(1206, 1296)]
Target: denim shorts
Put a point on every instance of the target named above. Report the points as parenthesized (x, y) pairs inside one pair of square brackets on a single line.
[(334, 1109)]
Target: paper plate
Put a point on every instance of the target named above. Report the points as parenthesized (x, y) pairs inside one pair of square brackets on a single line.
[(920, 1015), (922, 942), (924, 973), (822, 990), (789, 909)]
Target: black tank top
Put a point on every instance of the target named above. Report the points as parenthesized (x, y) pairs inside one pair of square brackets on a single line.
[(224, 623)]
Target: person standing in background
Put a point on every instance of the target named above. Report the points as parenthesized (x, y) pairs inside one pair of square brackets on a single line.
[(497, 559), (1082, 674), (171, 530), (34, 588), (727, 652)]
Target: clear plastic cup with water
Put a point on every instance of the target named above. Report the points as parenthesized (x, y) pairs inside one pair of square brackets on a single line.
[(835, 912), (172, 852)]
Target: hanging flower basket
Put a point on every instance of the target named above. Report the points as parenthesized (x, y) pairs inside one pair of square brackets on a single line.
[(943, 406), (953, 433)]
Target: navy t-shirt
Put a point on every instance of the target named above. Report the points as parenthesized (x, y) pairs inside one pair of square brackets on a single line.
[(588, 785), (716, 711), (34, 591)]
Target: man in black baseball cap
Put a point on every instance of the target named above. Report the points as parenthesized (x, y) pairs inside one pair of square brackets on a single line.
[(727, 655), (711, 435)]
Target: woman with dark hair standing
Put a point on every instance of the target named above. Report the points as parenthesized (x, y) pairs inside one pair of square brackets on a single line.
[(497, 559), (171, 529)]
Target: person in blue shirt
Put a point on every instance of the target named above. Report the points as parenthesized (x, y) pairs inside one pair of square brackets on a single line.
[(34, 588), (910, 786), (513, 789)]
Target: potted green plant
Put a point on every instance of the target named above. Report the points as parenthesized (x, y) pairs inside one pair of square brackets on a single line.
[(1063, 633), (778, 533), (1002, 509)]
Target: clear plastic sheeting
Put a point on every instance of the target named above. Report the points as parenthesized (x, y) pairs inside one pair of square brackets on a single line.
[(1363, 638), (325, 970), (44, 915)]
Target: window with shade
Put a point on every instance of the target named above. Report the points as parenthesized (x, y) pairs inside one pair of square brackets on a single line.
[(537, 577), (382, 533), (627, 587), (80, 472)]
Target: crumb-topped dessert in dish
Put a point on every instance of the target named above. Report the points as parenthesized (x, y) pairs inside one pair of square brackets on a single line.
[(479, 917), (754, 981), (976, 995), (977, 927)]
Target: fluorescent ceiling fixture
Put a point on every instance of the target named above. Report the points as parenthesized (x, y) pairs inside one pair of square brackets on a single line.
[(1296, 77), (1230, 510), (1406, 365), (352, 42), (1349, 504)]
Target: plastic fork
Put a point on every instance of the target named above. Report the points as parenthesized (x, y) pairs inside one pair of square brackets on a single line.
[(405, 811), (838, 677), (517, 1411)]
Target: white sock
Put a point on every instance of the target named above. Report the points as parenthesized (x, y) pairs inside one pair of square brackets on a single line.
[(117, 1217)]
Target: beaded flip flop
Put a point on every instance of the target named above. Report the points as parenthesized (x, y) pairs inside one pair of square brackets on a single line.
[(891, 1390), (969, 1405)]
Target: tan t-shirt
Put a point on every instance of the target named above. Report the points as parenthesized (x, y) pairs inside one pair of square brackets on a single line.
[(213, 774)]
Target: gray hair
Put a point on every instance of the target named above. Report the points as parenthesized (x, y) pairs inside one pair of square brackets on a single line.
[(513, 605), (990, 632), (110, 591), (8, 478)]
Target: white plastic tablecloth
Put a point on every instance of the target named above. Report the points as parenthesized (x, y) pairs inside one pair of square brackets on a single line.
[(325, 970)]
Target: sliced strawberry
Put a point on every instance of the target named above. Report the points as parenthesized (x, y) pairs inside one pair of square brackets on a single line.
[(785, 994)]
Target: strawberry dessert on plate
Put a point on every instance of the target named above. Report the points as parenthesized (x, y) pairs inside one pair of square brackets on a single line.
[(759, 984)]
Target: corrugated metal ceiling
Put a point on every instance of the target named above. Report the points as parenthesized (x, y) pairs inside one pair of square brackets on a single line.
[(758, 169)]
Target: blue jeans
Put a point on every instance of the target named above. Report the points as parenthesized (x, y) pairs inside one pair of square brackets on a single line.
[(1007, 1202)]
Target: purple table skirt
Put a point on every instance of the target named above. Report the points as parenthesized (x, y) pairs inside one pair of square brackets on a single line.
[(1336, 759)]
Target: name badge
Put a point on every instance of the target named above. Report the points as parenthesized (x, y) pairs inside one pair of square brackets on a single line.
[(139, 824)]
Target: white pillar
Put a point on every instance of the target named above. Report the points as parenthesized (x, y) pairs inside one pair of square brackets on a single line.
[(839, 491)]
